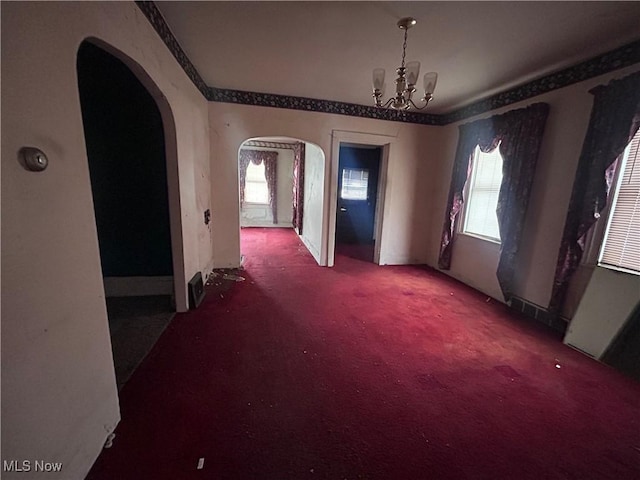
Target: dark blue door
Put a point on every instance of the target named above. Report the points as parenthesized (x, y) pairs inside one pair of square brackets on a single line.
[(358, 174)]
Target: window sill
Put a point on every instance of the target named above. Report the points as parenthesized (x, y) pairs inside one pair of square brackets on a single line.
[(255, 204), (619, 269), (480, 237)]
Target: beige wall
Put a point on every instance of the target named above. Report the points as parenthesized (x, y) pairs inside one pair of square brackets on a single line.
[(608, 303), (59, 398), (411, 163), (475, 261)]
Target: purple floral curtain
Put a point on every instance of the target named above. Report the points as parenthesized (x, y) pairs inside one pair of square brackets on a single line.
[(270, 160), (298, 185), (519, 134), (271, 174), (615, 118), (245, 159)]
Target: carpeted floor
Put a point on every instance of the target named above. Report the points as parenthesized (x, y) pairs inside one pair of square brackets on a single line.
[(356, 251), (366, 372)]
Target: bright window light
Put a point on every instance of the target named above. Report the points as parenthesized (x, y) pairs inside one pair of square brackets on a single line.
[(480, 217), (256, 189), (355, 182)]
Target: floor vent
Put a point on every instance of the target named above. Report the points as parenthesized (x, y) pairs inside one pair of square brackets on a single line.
[(538, 313), (196, 291)]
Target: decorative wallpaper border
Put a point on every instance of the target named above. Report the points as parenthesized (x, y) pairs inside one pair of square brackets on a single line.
[(621, 57), (276, 145), (159, 24), (607, 62), (323, 106)]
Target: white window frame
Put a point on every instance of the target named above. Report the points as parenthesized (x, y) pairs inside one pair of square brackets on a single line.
[(467, 196), (610, 212), (248, 182)]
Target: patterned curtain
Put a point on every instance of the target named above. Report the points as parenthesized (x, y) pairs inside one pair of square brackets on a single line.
[(270, 160), (271, 174), (298, 185), (245, 159), (615, 118), (519, 134)]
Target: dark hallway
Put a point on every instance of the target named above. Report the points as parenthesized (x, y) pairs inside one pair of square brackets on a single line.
[(124, 136)]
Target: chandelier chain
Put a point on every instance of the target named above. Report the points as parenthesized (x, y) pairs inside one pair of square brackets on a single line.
[(404, 47)]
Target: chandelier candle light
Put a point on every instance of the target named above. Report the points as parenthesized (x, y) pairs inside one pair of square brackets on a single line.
[(406, 81)]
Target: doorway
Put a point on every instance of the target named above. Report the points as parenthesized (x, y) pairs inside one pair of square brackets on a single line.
[(357, 201), (281, 185), (125, 141)]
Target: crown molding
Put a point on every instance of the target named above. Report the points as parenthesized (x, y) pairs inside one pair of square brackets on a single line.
[(616, 59)]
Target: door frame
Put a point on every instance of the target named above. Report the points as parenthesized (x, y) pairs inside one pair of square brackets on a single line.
[(339, 137)]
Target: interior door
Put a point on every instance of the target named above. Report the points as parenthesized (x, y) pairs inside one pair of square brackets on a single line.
[(359, 169)]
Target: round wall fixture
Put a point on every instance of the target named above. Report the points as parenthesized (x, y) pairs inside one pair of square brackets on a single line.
[(33, 159)]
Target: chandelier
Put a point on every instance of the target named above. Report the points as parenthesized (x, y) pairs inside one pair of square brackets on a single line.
[(406, 81)]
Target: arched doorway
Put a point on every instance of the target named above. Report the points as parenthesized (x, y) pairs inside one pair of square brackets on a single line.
[(125, 136), (281, 184)]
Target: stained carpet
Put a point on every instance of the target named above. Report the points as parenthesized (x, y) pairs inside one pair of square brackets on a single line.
[(366, 372)]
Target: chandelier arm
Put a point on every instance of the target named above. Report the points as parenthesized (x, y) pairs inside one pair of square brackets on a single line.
[(416, 106), (388, 102)]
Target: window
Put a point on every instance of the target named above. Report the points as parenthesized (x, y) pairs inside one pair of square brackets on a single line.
[(621, 244), (355, 184), (256, 189), (482, 195)]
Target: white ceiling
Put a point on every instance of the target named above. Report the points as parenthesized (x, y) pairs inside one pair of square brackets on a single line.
[(327, 50)]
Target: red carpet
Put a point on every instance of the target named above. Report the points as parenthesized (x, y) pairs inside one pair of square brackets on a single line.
[(366, 372)]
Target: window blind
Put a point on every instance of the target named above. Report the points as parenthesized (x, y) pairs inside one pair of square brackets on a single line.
[(480, 216), (621, 246)]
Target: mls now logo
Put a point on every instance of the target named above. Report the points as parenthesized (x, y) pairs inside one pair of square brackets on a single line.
[(29, 466)]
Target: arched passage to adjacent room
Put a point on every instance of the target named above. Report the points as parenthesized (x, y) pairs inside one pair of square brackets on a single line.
[(281, 184)]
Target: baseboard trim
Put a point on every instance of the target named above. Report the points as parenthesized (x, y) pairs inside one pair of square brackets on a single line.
[(266, 224), (137, 286), (584, 352)]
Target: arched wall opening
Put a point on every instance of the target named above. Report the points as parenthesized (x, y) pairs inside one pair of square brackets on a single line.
[(290, 194), (131, 149), (172, 179)]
